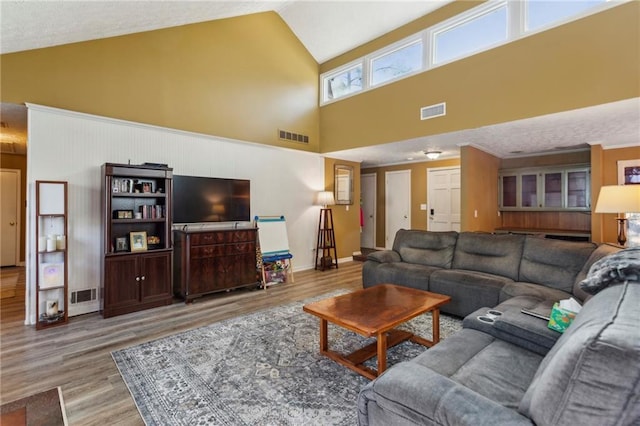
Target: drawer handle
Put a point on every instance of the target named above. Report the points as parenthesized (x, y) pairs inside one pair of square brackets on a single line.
[(137, 278)]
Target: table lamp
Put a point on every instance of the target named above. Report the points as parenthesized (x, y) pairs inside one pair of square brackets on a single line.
[(619, 199)]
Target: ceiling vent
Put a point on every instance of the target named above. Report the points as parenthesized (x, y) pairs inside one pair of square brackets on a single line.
[(433, 111), (291, 136)]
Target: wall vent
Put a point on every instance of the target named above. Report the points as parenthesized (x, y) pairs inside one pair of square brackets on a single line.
[(291, 136), (432, 111), (87, 295)]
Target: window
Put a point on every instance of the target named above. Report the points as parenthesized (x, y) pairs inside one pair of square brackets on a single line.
[(541, 13), (481, 28), (343, 83), (399, 62), (471, 35)]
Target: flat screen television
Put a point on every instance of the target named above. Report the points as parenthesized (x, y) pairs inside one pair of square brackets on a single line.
[(207, 199)]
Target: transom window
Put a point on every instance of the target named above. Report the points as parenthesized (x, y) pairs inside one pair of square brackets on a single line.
[(397, 63), (484, 27)]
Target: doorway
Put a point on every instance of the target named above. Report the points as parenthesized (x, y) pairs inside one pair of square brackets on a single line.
[(368, 205), (397, 204), (443, 199), (9, 216)]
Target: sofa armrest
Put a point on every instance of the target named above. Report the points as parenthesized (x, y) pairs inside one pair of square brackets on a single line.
[(384, 256), (409, 393)]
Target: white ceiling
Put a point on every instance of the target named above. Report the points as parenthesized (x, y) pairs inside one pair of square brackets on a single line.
[(327, 29)]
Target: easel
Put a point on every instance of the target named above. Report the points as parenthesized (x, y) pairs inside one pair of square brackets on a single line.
[(273, 246), (326, 256)]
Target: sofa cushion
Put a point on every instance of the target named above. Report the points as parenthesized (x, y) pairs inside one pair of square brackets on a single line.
[(469, 290), (537, 291), (553, 263), (490, 253), (601, 251), (400, 273), (491, 367), (577, 382), (426, 248)]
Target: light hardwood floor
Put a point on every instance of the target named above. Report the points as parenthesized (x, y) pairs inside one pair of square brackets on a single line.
[(77, 356)]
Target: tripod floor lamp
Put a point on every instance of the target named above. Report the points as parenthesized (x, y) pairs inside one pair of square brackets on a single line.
[(326, 256)]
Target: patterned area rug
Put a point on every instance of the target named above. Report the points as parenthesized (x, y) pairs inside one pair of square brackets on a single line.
[(259, 369)]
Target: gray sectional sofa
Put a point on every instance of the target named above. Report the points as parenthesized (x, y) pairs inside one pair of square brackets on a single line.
[(480, 269), (514, 370)]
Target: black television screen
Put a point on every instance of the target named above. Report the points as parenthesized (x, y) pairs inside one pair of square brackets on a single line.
[(206, 199)]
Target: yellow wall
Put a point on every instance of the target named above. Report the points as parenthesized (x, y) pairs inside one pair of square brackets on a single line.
[(418, 192), (19, 162), (604, 171), (587, 62), (242, 78), (346, 219), (479, 183)]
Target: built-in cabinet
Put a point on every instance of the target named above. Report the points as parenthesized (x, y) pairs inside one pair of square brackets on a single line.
[(208, 261), (137, 242), (550, 189), (51, 255)]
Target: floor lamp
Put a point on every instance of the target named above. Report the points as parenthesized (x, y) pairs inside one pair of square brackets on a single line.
[(619, 199), (326, 256)]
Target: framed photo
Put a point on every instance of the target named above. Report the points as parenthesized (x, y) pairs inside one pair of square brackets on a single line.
[(122, 244), (629, 174), (138, 241), (123, 214), (144, 186)]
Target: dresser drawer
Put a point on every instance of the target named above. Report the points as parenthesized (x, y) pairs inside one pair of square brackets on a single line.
[(207, 238), (208, 251), (237, 236)]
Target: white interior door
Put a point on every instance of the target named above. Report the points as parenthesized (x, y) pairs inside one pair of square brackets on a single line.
[(9, 214), (443, 199), (397, 204), (368, 200)]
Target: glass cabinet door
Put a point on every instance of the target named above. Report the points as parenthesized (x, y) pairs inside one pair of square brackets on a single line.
[(529, 191), (552, 189), (509, 191), (577, 189)]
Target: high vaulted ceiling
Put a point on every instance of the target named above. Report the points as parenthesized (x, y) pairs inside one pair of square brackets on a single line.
[(327, 29)]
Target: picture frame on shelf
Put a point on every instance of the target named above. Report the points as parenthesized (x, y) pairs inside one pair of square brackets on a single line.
[(145, 186), (123, 214), (138, 241), (122, 244)]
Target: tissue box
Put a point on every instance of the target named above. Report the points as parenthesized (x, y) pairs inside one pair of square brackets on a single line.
[(560, 318)]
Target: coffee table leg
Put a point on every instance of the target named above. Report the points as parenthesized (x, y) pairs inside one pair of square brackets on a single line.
[(435, 315), (324, 344), (382, 352)]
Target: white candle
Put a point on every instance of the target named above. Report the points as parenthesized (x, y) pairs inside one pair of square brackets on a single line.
[(42, 244), (51, 244), (61, 242)]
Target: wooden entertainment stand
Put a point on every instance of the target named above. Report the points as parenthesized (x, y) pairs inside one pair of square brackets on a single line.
[(208, 261)]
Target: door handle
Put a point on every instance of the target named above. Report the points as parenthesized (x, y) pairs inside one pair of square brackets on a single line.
[(12, 223), (405, 216), (432, 212)]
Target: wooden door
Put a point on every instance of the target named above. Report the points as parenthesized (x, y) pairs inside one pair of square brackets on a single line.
[(398, 204), (9, 214), (121, 289), (155, 271)]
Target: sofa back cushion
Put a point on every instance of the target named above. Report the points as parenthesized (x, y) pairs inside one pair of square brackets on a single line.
[(497, 254), (554, 263), (592, 374), (425, 247)]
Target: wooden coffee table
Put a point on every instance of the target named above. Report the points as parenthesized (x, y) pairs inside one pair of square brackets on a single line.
[(375, 312)]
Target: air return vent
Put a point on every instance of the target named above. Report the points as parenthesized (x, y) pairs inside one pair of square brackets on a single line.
[(291, 136), (81, 296), (432, 111)]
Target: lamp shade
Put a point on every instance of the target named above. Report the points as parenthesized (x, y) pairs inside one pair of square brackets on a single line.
[(324, 198), (432, 155), (619, 199)]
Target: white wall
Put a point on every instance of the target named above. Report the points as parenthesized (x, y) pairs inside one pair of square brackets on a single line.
[(72, 147)]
